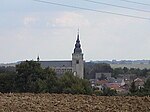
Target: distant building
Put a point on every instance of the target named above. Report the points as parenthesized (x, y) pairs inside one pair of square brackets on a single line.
[(127, 76), (76, 65), (139, 83), (99, 75)]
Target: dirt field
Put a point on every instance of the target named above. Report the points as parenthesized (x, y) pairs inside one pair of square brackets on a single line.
[(71, 103)]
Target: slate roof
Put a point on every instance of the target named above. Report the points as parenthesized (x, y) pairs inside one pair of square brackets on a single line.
[(45, 64)]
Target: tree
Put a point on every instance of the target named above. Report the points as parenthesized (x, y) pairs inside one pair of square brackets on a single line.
[(7, 82), (116, 72), (146, 89), (32, 78), (87, 86), (108, 92), (145, 72), (74, 85), (125, 70), (133, 89), (50, 80), (28, 73)]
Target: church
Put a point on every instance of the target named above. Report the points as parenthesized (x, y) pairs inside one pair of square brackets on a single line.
[(76, 65)]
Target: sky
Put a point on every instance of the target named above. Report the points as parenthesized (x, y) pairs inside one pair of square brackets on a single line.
[(29, 28)]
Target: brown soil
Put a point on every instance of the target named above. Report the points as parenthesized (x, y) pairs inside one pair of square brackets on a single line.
[(71, 103)]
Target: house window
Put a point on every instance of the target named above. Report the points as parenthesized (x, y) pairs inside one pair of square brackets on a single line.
[(77, 62)]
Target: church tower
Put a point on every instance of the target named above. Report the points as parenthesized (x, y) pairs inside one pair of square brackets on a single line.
[(77, 59)]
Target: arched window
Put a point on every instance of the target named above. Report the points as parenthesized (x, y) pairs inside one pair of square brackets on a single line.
[(77, 61)]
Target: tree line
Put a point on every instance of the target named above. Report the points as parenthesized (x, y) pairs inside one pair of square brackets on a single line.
[(92, 68), (31, 77)]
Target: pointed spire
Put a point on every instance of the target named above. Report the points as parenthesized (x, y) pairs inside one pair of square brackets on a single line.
[(78, 36), (38, 58), (77, 48)]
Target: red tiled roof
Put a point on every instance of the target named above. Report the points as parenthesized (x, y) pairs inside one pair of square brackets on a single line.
[(102, 82), (113, 85)]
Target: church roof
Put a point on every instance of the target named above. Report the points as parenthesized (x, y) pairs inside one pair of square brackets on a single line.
[(45, 64)]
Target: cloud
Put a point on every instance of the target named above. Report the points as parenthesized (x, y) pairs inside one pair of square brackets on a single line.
[(102, 36), (71, 19), (29, 20)]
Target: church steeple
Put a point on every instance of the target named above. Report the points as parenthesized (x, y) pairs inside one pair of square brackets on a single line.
[(77, 59), (77, 48)]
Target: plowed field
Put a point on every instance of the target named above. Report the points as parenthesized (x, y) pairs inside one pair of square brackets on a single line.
[(71, 103)]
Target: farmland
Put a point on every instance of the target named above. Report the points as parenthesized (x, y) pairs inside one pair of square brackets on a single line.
[(71, 103)]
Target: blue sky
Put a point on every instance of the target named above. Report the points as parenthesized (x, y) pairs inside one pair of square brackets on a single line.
[(29, 28)]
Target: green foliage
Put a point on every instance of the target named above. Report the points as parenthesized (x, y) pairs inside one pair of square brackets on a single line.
[(125, 70), (74, 85), (87, 86), (92, 68), (144, 91), (7, 70), (28, 73), (117, 71), (6, 82), (98, 92), (7, 79), (133, 89), (50, 79), (30, 77), (144, 73), (109, 92)]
